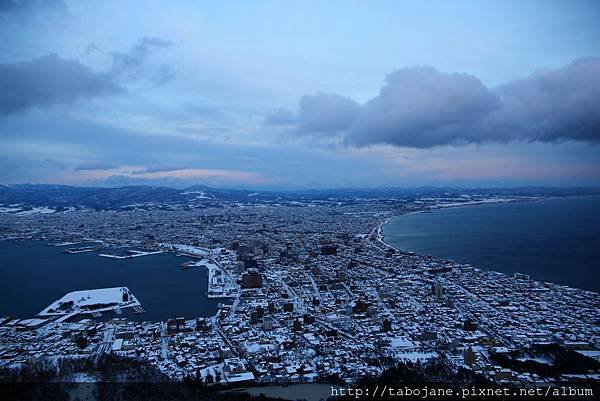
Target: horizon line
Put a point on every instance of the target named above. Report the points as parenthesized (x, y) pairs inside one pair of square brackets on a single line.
[(313, 189)]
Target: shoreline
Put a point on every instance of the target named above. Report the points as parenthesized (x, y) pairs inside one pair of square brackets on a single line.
[(378, 231), (502, 201), (379, 228), (112, 258), (380, 238)]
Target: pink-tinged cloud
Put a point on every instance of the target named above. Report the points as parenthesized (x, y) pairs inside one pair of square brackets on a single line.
[(230, 176), (516, 169), (499, 167), (195, 173), (483, 163)]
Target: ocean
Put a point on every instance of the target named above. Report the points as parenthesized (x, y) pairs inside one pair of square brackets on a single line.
[(33, 275), (551, 239)]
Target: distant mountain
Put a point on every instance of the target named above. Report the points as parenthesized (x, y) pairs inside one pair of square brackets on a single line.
[(62, 196), (96, 198)]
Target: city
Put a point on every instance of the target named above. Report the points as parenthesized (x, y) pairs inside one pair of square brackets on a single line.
[(310, 293)]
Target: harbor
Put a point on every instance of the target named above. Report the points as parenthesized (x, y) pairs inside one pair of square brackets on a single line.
[(163, 289)]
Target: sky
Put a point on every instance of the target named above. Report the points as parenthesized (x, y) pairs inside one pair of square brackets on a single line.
[(300, 94)]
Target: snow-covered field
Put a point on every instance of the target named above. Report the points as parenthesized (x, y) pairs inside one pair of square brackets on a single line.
[(36, 210), (187, 249), (220, 284), (417, 356), (18, 210), (474, 202), (4, 209), (84, 301)]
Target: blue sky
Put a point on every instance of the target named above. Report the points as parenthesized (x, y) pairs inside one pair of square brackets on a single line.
[(300, 94)]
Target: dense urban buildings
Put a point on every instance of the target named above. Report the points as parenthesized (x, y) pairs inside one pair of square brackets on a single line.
[(310, 293)]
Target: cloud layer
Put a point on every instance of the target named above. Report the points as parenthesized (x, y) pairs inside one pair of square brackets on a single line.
[(421, 107), (129, 64), (8, 7), (553, 105), (51, 79), (326, 113), (95, 165), (47, 80)]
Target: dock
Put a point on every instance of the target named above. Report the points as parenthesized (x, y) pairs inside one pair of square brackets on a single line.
[(138, 309), (83, 249), (187, 265), (130, 254)]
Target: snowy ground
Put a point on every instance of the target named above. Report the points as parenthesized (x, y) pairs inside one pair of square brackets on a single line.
[(18, 210), (417, 355), (35, 210), (186, 249), (220, 284), (87, 298), (475, 202)]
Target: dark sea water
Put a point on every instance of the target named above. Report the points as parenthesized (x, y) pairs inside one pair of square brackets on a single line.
[(553, 239), (33, 275)]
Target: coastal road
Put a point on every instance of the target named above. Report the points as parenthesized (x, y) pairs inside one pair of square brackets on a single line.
[(104, 345), (164, 339)]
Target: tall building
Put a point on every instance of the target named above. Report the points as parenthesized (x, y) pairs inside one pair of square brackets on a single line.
[(252, 279), (328, 250), (268, 323), (253, 317), (470, 325), (201, 324), (309, 319), (469, 356), (437, 290)]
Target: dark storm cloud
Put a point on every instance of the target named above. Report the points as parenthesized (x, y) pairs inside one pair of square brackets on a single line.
[(51, 79), (421, 107), (20, 7), (95, 165), (47, 80), (552, 105), (326, 113)]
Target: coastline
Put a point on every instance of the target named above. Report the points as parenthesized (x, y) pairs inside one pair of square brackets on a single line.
[(116, 260), (380, 237), (485, 202)]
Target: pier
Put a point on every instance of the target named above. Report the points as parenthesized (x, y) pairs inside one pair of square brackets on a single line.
[(82, 249), (130, 254)]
